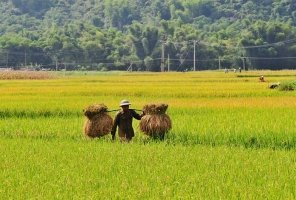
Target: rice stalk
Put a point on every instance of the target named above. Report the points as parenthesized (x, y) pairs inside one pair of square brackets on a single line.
[(158, 108), (95, 109), (155, 122), (98, 123)]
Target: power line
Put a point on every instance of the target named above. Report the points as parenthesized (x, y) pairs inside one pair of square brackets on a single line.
[(251, 47), (103, 61), (61, 51)]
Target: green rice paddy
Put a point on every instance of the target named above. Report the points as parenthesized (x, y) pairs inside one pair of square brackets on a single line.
[(232, 137)]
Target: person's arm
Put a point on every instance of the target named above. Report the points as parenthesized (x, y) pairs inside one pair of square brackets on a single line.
[(116, 121), (136, 115)]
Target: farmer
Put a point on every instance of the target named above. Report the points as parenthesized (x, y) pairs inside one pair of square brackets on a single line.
[(275, 85), (261, 78), (124, 120)]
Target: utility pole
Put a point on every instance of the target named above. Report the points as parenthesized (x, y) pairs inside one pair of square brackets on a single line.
[(7, 59), (162, 53), (168, 62), (130, 67), (26, 59), (219, 62), (194, 42)]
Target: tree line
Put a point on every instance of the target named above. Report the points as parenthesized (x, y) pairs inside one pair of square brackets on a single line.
[(117, 34)]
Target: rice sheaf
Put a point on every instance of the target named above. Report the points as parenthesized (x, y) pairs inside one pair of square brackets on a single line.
[(98, 122), (155, 121)]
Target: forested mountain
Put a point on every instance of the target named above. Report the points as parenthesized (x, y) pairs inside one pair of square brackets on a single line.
[(117, 34)]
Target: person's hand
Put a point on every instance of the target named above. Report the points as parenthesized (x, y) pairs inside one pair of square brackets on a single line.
[(143, 114)]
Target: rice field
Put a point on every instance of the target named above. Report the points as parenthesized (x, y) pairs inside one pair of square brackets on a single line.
[(232, 137)]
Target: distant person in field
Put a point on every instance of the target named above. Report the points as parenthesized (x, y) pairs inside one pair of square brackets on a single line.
[(124, 121), (234, 70), (275, 85), (261, 78), (240, 70)]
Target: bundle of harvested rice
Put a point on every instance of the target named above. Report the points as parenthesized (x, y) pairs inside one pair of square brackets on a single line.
[(98, 123), (155, 122), (158, 108), (95, 109)]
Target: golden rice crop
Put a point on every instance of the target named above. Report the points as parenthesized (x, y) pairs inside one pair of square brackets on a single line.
[(95, 109), (9, 75), (155, 122), (98, 123), (155, 108)]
